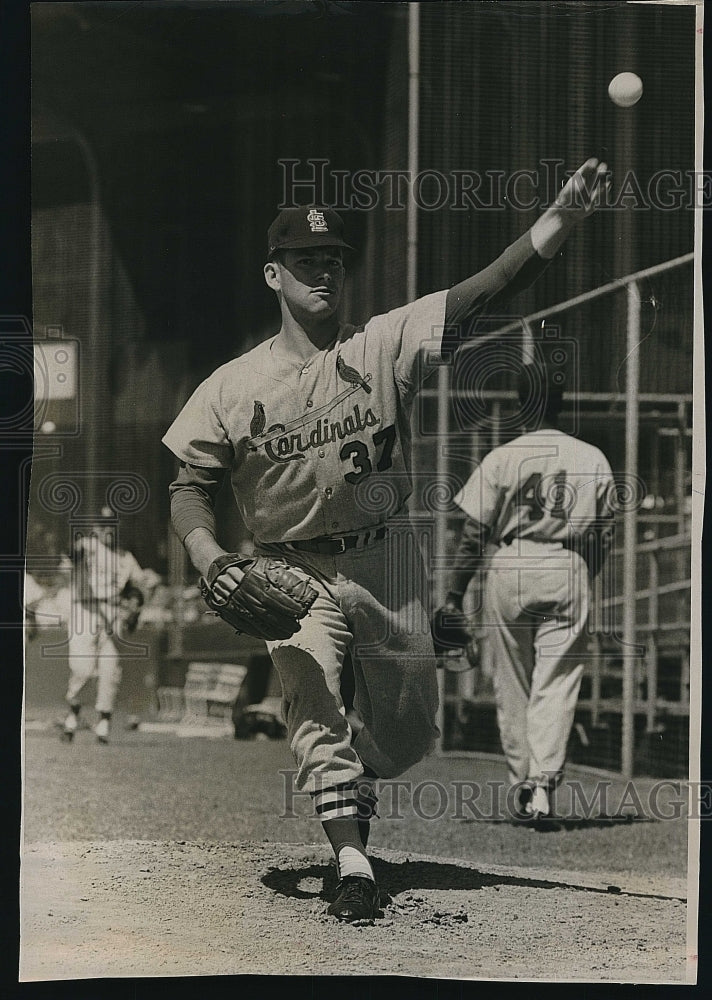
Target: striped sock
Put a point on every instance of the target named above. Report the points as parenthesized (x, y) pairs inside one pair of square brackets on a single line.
[(337, 809), (337, 802)]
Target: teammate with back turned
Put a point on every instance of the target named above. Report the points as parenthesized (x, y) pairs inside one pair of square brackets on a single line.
[(544, 501), (303, 423)]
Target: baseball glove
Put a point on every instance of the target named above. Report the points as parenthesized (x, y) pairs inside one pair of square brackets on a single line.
[(448, 628), (459, 661), (269, 601)]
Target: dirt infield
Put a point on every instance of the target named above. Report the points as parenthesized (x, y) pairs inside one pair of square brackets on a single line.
[(161, 856), (116, 909)]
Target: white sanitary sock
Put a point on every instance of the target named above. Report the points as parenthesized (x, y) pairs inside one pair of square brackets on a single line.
[(352, 862)]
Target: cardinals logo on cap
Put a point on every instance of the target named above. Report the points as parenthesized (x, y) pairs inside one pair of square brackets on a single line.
[(301, 227), (317, 222)]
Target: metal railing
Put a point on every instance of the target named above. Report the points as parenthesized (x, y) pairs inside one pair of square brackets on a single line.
[(627, 600), (654, 632)]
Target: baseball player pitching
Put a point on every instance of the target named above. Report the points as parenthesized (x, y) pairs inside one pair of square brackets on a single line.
[(543, 501), (107, 595), (302, 425)]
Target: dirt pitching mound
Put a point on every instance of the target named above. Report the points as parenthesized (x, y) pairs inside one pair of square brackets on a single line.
[(141, 909)]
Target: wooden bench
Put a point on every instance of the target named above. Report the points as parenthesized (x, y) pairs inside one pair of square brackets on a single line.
[(206, 699)]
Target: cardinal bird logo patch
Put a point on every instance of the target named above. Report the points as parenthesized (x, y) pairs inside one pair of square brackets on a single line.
[(350, 375), (257, 424)]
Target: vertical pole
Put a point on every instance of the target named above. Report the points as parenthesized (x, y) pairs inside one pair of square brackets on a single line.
[(680, 497), (681, 467), (598, 625), (528, 356), (413, 139), (439, 550), (630, 529), (440, 540), (652, 650), (466, 680), (625, 255), (655, 487), (96, 401), (685, 680), (596, 680), (441, 469), (93, 366), (496, 422)]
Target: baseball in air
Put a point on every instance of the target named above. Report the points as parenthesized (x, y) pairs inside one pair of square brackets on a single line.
[(625, 90)]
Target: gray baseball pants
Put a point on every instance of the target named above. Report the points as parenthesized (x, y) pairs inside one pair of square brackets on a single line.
[(370, 603), (536, 603)]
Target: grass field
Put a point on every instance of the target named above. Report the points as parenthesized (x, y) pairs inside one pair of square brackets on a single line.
[(155, 786), (164, 856)]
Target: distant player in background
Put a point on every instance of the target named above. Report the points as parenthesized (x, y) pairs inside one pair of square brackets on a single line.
[(544, 500), (303, 425), (107, 597), (32, 595)]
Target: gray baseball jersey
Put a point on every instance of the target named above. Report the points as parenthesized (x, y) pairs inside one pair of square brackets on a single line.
[(303, 441), (101, 574), (543, 486), (537, 493)]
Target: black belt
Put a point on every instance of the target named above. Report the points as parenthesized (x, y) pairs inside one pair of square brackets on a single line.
[(332, 545)]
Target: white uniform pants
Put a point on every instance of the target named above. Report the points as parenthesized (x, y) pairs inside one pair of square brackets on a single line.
[(369, 602), (92, 653), (535, 609)]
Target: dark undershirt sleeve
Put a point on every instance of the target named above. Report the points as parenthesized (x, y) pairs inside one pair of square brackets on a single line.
[(469, 555), (511, 273), (193, 493)]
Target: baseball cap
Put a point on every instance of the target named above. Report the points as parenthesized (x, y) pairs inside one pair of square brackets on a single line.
[(295, 228)]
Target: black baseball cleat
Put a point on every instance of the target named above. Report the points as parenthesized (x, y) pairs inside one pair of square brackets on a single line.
[(357, 899), (522, 796)]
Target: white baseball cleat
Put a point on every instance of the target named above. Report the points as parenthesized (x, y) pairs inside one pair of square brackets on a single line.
[(538, 805), (102, 730), (69, 728)]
